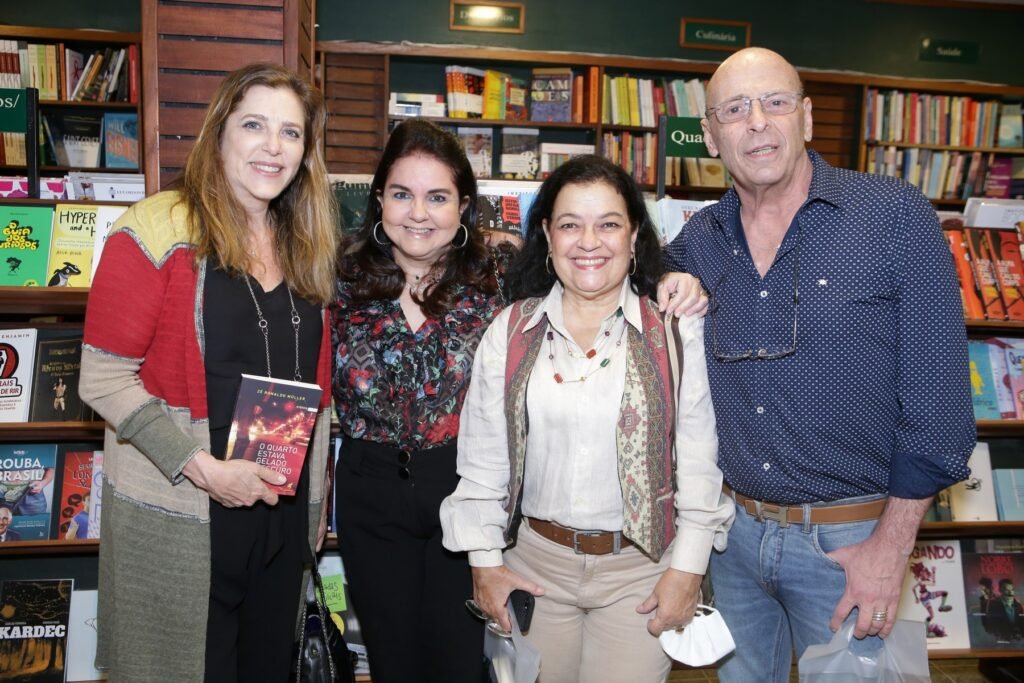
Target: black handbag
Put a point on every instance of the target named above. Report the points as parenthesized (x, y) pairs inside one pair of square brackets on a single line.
[(322, 655)]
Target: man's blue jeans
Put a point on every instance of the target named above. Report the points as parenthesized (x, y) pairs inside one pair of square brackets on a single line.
[(777, 589)]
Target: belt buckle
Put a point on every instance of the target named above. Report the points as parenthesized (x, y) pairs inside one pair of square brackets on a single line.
[(576, 534), (781, 516)]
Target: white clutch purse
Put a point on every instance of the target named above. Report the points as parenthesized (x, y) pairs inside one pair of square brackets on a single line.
[(704, 641)]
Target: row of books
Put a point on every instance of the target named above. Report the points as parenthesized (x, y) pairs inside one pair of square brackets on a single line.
[(951, 175), (88, 185), (90, 139), (47, 631), (53, 246), (630, 101), (40, 369), (997, 378), (635, 152), (554, 94), (67, 505), (989, 270), (62, 73), (922, 118)]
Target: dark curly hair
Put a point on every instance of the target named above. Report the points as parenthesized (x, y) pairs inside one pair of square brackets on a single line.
[(371, 267), (528, 274)]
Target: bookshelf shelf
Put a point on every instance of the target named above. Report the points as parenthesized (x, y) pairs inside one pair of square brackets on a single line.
[(506, 123), (51, 431), (51, 202), (1000, 428), (43, 300), (990, 327), (60, 548), (74, 104), (969, 529), (947, 148)]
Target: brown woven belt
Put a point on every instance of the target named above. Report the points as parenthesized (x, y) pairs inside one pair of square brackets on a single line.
[(822, 514), (582, 542)]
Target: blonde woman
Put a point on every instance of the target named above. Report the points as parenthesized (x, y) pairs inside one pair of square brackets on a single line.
[(201, 567)]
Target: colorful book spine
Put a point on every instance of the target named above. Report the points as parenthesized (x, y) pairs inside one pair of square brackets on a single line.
[(1009, 269), (969, 293), (985, 271), (983, 391)]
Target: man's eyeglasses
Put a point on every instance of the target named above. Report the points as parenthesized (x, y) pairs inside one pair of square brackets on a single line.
[(761, 353), (772, 104)]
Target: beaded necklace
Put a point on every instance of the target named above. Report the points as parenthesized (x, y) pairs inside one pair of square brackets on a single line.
[(559, 379)]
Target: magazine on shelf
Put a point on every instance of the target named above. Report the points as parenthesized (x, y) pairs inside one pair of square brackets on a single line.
[(273, 424)]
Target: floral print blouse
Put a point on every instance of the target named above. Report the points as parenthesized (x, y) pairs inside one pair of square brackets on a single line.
[(403, 388)]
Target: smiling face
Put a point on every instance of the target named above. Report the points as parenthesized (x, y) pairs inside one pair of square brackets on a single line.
[(5, 520), (420, 211), (591, 239), (761, 151), (262, 145)]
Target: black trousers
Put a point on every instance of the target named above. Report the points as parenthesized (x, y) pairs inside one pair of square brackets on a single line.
[(257, 556), (408, 592)]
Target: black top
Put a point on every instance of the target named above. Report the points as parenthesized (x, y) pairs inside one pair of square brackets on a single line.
[(234, 343)]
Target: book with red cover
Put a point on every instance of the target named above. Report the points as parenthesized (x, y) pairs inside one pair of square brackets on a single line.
[(969, 294), (72, 508), (985, 271), (273, 424), (1009, 270)]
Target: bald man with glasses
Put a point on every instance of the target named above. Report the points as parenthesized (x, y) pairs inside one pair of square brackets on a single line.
[(837, 358)]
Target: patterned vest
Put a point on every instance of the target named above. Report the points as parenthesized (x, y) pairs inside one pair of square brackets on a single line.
[(644, 435)]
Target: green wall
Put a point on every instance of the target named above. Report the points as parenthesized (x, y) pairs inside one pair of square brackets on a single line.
[(856, 35), (853, 35), (113, 15)]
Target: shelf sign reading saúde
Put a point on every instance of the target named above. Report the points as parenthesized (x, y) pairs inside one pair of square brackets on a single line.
[(12, 110), (684, 137), (494, 17), (714, 34), (948, 51)]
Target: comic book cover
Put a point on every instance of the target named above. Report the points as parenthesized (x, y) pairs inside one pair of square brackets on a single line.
[(34, 629), (25, 244), (55, 385), (71, 245), (992, 570), (933, 592)]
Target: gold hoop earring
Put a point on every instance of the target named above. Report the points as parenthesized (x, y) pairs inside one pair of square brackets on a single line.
[(546, 260), (632, 259), (465, 239), (377, 239)]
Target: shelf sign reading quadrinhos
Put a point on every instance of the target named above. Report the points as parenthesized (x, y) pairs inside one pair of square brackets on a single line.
[(714, 34), (684, 137), (494, 17), (12, 110)]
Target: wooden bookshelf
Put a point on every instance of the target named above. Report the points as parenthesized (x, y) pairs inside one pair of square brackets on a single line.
[(58, 548), (51, 431), (43, 300)]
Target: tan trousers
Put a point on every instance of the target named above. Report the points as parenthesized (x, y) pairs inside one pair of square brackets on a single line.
[(586, 625)]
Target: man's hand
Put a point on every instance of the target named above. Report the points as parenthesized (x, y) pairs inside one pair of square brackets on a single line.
[(875, 568), (681, 294), (491, 588), (675, 599), (233, 483)]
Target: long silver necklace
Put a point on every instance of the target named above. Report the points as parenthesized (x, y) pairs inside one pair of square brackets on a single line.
[(264, 327)]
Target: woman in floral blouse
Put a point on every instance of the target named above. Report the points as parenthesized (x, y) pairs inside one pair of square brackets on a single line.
[(417, 287), (416, 290)]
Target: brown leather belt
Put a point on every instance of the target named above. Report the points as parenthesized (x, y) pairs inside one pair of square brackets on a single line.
[(821, 514), (582, 542)]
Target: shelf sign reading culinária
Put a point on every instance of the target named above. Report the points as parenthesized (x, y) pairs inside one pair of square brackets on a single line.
[(12, 110), (714, 34), (494, 17), (949, 51)]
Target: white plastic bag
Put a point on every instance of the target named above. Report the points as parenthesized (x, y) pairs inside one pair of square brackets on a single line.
[(903, 658), (513, 660), (704, 641)]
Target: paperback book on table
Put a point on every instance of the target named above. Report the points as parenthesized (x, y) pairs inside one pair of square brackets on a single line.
[(273, 424)]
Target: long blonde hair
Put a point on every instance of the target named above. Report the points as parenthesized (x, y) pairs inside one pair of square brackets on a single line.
[(303, 217)]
